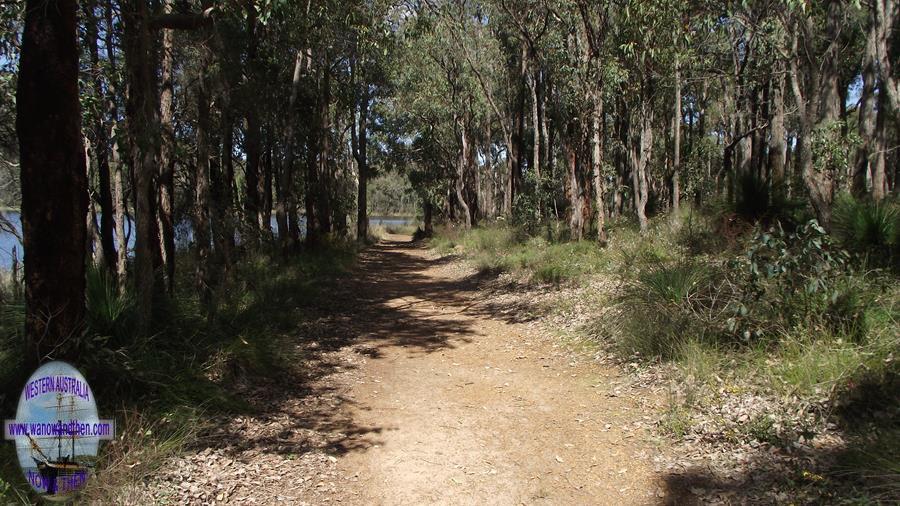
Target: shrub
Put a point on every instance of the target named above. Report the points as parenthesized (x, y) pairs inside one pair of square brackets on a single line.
[(553, 273), (787, 279), (658, 314), (868, 227), (673, 283), (107, 308)]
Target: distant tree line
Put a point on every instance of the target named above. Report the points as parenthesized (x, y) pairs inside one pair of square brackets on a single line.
[(586, 111)]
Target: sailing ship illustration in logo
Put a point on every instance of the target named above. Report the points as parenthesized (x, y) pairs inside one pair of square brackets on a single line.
[(67, 471), (57, 430)]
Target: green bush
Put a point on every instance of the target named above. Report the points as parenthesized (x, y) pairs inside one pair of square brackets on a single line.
[(673, 283), (788, 279), (108, 310), (869, 228), (659, 313)]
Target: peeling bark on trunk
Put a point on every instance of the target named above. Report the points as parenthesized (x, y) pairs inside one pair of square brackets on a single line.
[(167, 155), (886, 13), (118, 192), (879, 161), (640, 159), (536, 142), (574, 191), (597, 168), (776, 139), (459, 185), (866, 114)]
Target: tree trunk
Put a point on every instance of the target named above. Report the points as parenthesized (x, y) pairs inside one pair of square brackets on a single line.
[(201, 188), (676, 144), (101, 144), (285, 209), (573, 185), (886, 14), (866, 113), (324, 212), (427, 217), (94, 244), (461, 173), (53, 179), (265, 191), (228, 205), (879, 181), (143, 125), (167, 155), (597, 167), (640, 158), (116, 151), (219, 151), (253, 202), (359, 141), (776, 139), (536, 141), (818, 103)]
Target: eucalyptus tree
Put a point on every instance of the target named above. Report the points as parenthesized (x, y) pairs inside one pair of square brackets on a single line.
[(814, 52), (53, 178), (438, 95), (372, 44)]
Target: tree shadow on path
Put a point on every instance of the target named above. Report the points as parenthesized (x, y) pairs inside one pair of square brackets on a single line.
[(388, 300)]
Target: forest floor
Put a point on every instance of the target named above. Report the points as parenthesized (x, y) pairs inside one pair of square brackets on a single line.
[(413, 385)]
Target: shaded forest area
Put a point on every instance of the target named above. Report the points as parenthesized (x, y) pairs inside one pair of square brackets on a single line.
[(259, 124)]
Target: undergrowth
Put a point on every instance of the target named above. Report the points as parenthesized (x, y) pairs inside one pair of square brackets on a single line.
[(743, 300), (163, 387)]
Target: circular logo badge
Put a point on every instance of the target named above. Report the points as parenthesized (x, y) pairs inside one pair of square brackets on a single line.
[(57, 431)]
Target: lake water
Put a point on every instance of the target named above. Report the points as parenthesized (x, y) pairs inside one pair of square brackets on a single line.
[(183, 234)]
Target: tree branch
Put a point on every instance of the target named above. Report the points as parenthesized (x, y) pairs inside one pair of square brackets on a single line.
[(182, 21)]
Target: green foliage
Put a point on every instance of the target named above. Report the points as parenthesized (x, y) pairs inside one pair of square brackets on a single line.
[(658, 310), (869, 228), (499, 249), (831, 148), (108, 310), (790, 277), (673, 283), (756, 200), (526, 212), (12, 325), (159, 385), (391, 194), (676, 421), (809, 363), (762, 429), (875, 461)]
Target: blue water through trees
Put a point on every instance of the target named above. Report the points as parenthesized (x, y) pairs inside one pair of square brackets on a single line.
[(11, 245)]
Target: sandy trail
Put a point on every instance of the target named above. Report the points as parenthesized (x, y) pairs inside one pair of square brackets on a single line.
[(413, 387), (477, 410)]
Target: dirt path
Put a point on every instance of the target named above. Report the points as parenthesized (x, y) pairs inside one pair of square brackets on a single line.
[(432, 398), (493, 415)]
